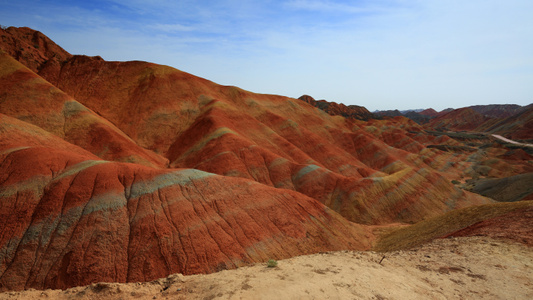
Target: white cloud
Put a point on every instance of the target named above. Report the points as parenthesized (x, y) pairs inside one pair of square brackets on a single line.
[(334, 6), (171, 27), (381, 54)]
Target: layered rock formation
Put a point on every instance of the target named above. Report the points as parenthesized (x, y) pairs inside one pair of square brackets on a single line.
[(498, 110), (463, 119), (130, 171), (339, 109), (72, 219), (32, 48)]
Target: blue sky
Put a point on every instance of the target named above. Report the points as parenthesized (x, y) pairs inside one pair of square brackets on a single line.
[(382, 54)]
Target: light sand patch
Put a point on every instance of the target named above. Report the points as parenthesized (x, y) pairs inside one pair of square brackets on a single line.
[(454, 268)]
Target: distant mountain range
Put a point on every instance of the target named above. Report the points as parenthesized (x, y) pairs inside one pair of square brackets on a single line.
[(511, 120), (490, 110)]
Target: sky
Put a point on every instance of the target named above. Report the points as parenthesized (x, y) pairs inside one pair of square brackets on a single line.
[(381, 54)]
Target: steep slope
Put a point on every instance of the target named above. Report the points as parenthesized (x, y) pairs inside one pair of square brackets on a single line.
[(507, 189), (32, 48), (125, 171), (339, 109), (417, 117), (516, 226), (517, 127), (430, 112), (389, 113), (457, 120), (73, 219), (510, 120), (30, 98), (420, 117), (273, 140), (498, 110), (456, 221)]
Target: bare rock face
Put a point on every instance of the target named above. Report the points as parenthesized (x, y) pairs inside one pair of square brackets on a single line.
[(131, 171), (34, 100), (72, 219), (32, 48)]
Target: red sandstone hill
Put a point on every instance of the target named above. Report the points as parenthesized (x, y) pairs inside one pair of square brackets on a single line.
[(32, 48), (458, 119), (518, 127), (130, 171), (339, 109), (389, 113), (430, 112), (512, 121), (498, 110)]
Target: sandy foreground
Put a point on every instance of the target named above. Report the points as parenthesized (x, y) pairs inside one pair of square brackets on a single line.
[(453, 268)]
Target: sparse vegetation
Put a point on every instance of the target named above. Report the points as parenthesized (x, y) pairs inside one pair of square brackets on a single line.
[(453, 148), (271, 263), (441, 226), (528, 150), (459, 135), (507, 189)]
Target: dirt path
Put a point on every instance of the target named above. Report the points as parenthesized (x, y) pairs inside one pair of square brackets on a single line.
[(511, 141), (454, 268)]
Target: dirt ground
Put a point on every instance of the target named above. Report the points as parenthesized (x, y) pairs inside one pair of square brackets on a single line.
[(452, 268)]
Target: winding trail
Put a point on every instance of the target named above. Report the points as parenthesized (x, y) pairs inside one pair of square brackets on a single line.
[(510, 141)]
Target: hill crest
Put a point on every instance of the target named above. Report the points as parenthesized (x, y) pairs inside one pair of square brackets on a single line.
[(160, 171)]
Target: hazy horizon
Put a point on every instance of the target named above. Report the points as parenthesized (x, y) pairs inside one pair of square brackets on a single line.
[(383, 55)]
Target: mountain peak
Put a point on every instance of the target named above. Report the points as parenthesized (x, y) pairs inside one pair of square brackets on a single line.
[(31, 47), (339, 109)]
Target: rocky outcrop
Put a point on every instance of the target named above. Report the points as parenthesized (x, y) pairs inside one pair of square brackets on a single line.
[(339, 109), (32, 48)]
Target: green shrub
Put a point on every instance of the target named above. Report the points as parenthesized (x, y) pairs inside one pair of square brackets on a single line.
[(272, 263)]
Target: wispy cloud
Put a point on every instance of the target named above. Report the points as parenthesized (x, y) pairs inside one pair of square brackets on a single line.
[(324, 6), (170, 28), (382, 54)]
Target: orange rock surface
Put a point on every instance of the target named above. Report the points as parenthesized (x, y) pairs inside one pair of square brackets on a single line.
[(339, 109), (130, 171)]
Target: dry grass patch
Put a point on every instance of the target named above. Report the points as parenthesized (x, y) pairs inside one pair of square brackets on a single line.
[(440, 226)]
